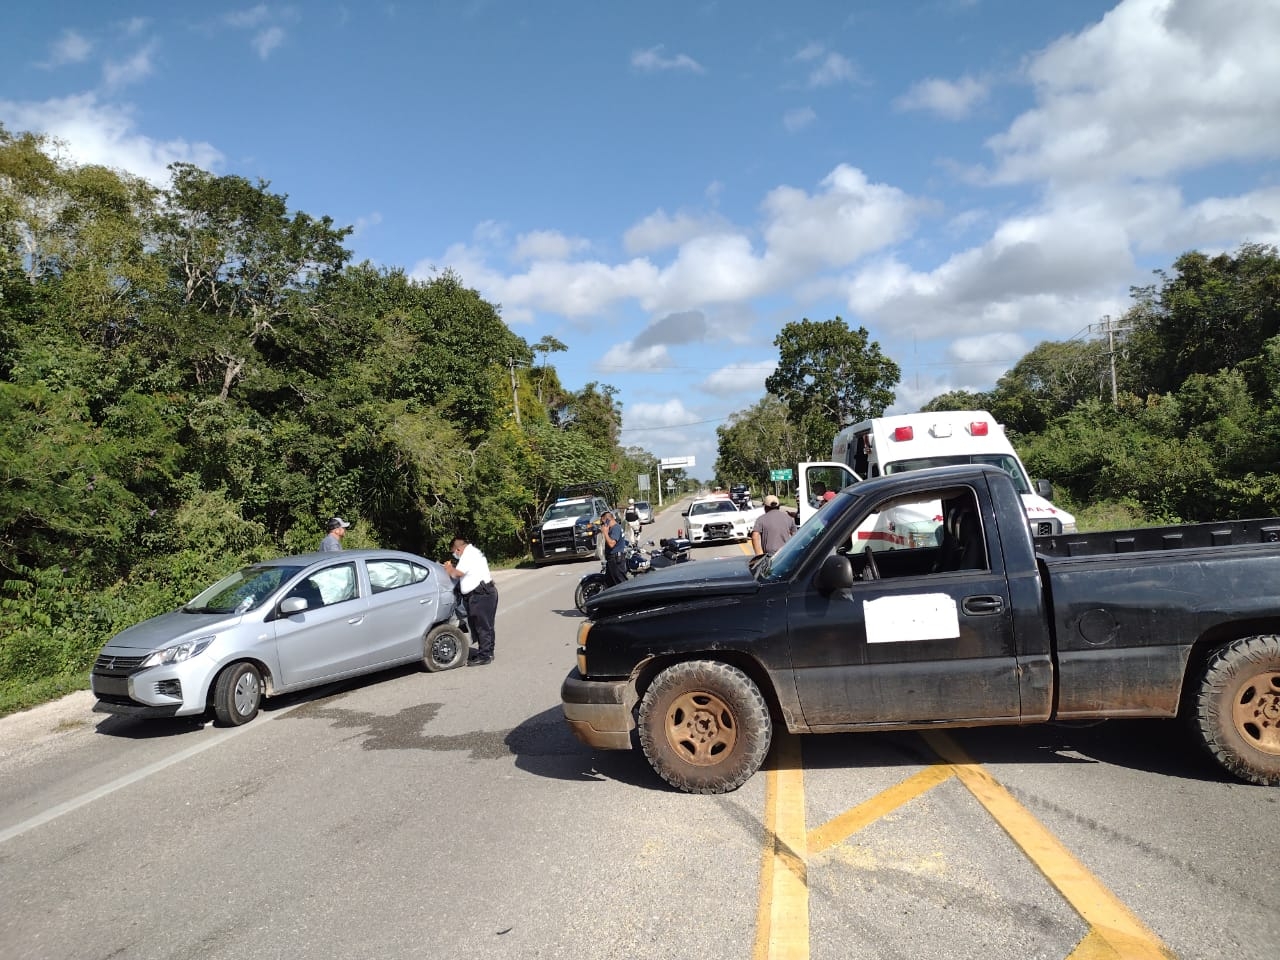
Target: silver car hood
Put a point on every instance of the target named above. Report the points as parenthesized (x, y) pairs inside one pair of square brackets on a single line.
[(169, 628)]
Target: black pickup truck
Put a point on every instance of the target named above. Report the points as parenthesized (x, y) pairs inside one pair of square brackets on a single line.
[(970, 623)]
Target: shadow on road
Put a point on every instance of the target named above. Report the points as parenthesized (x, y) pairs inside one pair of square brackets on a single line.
[(543, 746), (1164, 747)]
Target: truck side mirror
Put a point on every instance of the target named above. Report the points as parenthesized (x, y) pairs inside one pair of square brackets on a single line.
[(1045, 489), (836, 573)]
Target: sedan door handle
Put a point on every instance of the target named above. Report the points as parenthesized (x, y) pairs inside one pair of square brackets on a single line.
[(355, 620), (982, 606), (427, 600)]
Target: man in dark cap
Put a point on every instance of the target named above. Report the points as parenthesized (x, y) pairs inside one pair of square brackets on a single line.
[(337, 528)]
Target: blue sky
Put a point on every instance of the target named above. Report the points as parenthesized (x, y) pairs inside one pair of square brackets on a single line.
[(663, 186)]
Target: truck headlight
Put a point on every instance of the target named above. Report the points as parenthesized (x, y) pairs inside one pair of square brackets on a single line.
[(176, 653)]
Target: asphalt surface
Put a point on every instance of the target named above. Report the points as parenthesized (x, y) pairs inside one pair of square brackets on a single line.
[(452, 815)]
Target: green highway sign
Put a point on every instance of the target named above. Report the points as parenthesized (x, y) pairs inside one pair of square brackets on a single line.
[(780, 474)]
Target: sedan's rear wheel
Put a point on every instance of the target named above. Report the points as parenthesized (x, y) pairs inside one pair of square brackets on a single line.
[(443, 648), (237, 694), (704, 726)]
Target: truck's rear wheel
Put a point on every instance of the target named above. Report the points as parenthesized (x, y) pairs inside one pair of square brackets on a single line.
[(704, 726), (1238, 709)]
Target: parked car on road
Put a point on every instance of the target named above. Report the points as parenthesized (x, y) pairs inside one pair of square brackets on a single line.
[(282, 625), (645, 509), (716, 518)]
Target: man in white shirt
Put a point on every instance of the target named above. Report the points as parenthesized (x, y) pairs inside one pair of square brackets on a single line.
[(470, 568)]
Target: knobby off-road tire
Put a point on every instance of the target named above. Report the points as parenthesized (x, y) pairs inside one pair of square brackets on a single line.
[(237, 694), (444, 647), (704, 726), (588, 587), (1238, 709)]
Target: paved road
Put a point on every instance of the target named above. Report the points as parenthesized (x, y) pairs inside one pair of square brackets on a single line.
[(451, 815)]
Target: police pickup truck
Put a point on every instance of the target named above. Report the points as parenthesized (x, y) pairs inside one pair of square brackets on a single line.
[(976, 624)]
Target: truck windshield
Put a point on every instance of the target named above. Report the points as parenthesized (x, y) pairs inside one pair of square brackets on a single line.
[(558, 511), (783, 563), (1002, 460)]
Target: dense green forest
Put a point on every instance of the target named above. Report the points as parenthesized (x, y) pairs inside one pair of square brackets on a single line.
[(1172, 416), (198, 376)]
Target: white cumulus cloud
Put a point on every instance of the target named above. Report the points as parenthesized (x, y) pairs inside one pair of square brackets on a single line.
[(547, 245), (654, 60), (950, 99), (1156, 87), (104, 134)]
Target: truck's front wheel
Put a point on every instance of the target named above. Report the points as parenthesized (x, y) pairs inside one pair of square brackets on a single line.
[(704, 726), (1238, 708)]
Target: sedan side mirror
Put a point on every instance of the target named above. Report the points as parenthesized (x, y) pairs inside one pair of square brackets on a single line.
[(292, 605), (835, 574)]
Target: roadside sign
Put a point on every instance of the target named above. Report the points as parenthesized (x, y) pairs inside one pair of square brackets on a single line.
[(668, 463), (776, 475), (671, 484), (642, 482)]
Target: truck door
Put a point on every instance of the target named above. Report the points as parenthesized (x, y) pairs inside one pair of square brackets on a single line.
[(925, 633), (817, 477)]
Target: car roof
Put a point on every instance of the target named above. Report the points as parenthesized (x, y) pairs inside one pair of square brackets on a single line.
[(307, 559)]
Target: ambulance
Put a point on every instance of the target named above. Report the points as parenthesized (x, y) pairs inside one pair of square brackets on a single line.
[(915, 440)]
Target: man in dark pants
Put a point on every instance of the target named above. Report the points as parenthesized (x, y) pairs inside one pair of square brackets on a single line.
[(470, 568), (615, 545)]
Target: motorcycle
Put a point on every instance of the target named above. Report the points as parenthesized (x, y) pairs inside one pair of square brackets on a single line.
[(639, 560)]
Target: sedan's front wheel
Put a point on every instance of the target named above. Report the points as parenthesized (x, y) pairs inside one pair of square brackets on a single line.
[(237, 694)]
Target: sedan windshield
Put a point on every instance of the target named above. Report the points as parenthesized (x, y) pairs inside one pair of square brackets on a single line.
[(713, 506), (243, 591)]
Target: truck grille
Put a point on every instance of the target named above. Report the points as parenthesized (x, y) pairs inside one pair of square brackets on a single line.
[(1046, 528)]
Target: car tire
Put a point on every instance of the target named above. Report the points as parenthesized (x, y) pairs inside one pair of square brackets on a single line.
[(444, 647), (588, 587), (237, 694), (704, 726), (1237, 709)]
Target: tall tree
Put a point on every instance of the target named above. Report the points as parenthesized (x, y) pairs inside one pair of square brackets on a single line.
[(830, 376), (757, 440)]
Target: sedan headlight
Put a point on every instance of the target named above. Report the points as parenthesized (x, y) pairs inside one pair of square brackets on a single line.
[(178, 652)]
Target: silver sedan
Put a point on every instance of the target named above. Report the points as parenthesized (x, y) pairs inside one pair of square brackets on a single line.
[(282, 625)]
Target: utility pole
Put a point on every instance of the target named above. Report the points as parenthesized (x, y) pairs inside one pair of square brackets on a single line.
[(515, 389), (1110, 327)]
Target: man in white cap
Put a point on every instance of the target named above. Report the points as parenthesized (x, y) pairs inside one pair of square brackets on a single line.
[(772, 529), (337, 528)]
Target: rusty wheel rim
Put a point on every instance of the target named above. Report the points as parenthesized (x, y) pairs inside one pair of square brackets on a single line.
[(1256, 711), (701, 728)]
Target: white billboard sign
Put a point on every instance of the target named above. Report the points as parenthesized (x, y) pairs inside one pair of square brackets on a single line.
[(668, 463)]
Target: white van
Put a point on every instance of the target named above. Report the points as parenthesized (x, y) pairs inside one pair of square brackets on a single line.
[(915, 440)]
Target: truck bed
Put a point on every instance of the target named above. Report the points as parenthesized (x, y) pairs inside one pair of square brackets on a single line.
[(1175, 537)]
